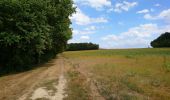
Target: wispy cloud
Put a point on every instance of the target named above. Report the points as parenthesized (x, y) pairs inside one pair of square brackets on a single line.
[(139, 36), (143, 11), (80, 39), (157, 5), (121, 23), (81, 18), (164, 15), (90, 28), (95, 19), (97, 4), (85, 37), (80, 32), (123, 6)]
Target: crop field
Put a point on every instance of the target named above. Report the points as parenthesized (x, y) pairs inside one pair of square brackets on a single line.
[(124, 74)]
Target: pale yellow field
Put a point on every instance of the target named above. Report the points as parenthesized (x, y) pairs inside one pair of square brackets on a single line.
[(131, 74)]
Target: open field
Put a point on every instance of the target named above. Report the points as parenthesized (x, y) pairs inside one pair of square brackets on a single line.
[(131, 74), (125, 74)]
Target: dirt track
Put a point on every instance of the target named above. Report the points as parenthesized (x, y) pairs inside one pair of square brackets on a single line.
[(21, 86), (47, 82)]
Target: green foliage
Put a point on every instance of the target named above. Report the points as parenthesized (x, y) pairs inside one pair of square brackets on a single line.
[(82, 46), (32, 31), (162, 41)]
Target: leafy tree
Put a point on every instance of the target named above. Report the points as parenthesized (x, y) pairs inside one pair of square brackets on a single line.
[(82, 46), (162, 41), (32, 31)]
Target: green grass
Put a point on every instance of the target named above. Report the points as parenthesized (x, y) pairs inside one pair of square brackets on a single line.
[(127, 74), (76, 88), (125, 52)]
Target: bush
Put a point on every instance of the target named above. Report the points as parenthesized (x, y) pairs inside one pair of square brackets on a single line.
[(32, 31), (162, 41), (82, 46)]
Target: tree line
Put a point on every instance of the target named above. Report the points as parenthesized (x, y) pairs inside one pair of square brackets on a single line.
[(82, 46), (32, 32), (162, 41)]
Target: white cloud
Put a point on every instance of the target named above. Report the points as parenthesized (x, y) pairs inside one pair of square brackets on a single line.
[(143, 11), (148, 16), (142, 31), (80, 32), (91, 28), (121, 23), (85, 31), (75, 32), (164, 15), (139, 36), (82, 19), (111, 37), (85, 37), (157, 5), (97, 4), (110, 10), (81, 39), (123, 6)]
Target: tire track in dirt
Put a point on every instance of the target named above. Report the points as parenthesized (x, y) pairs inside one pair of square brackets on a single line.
[(19, 86), (42, 93), (95, 95), (94, 91)]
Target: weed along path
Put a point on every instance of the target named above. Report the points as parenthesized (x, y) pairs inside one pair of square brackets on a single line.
[(44, 83)]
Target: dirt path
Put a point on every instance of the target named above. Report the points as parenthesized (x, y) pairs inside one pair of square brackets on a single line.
[(44, 83), (56, 91), (43, 93), (31, 84)]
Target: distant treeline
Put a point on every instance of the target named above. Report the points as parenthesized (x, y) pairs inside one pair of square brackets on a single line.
[(32, 32), (82, 46)]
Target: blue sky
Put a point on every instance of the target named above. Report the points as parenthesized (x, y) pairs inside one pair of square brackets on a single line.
[(120, 23)]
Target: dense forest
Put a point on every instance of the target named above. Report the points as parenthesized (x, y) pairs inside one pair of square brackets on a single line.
[(162, 41), (32, 32), (82, 46)]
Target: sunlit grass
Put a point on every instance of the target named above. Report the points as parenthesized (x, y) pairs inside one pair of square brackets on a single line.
[(76, 87), (127, 74)]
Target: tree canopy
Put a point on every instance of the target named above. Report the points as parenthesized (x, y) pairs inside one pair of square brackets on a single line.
[(82, 46), (162, 41), (32, 31)]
